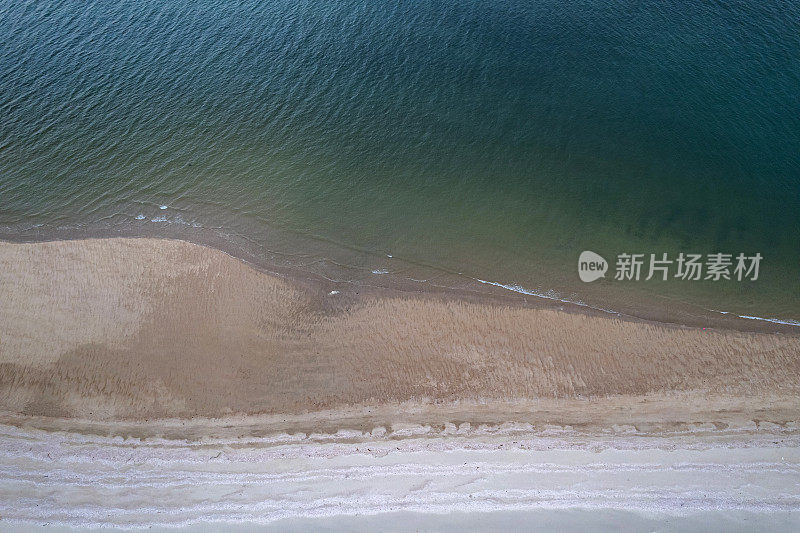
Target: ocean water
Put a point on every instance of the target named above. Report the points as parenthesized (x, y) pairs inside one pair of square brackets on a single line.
[(443, 141)]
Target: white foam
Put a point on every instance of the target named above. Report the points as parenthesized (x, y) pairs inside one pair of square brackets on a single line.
[(380, 271), (552, 295), (773, 320), (549, 295), (787, 322)]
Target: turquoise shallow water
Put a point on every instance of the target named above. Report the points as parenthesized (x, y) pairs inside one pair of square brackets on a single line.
[(490, 140)]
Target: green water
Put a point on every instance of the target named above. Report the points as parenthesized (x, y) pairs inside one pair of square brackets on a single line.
[(470, 141)]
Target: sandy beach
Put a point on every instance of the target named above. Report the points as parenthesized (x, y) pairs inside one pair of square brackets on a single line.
[(142, 328), (141, 347)]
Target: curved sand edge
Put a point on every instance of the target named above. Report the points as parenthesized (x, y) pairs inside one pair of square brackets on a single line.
[(116, 329)]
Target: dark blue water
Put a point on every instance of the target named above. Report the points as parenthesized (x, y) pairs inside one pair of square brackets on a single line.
[(489, 139)]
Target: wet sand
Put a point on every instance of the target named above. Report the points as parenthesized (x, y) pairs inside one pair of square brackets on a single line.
[(112, 329)]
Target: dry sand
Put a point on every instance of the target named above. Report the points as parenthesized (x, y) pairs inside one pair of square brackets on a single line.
[(505, 478)]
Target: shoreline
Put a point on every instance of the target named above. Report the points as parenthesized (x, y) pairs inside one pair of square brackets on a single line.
[(471, 289), (125, 329)]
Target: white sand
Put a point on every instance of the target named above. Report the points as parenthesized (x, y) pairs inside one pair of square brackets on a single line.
[(436, 479)]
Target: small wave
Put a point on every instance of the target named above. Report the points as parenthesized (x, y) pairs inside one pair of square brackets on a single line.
[(380, 271), (774, 320), (515, 288), (549, 295), (787, 322), (175, 220)]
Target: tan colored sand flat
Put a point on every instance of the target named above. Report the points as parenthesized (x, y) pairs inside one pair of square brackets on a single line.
[(134, 328)]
